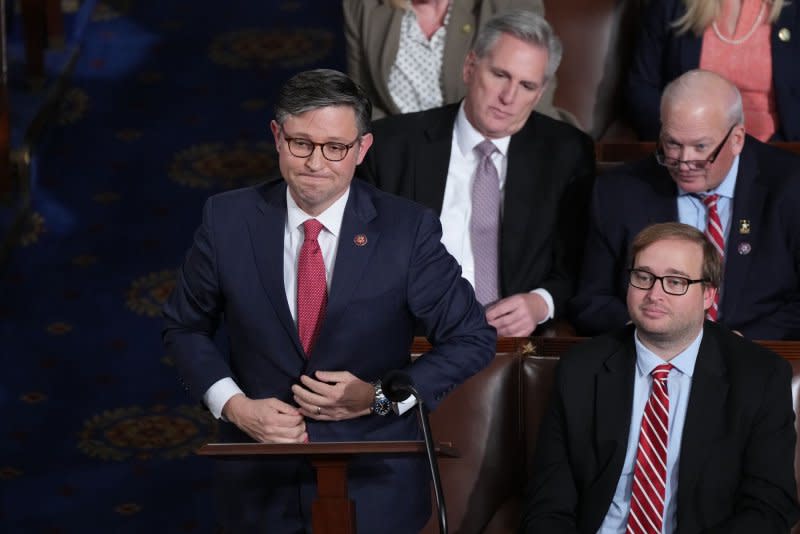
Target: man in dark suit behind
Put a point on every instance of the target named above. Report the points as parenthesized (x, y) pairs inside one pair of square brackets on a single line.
[(544, 169), (703, 151), (671, 424), (320, 282)]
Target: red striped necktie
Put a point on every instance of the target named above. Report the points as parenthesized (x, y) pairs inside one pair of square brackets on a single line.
[(650, 473), (717, 237)]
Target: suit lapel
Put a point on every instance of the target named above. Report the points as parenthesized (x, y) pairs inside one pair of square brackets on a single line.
[(266, 226), (357, 241), (705, 418), (526, 173), (614, 397), (747, 205), (432, 163)]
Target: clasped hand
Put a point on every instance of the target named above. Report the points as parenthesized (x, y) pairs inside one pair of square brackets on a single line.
[(333, 396)]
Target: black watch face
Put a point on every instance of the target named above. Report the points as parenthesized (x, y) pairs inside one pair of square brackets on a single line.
[(382, 406)]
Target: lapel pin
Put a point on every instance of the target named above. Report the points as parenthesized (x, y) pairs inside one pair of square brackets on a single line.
[(744, 248), (360, 240), (744, 226), (784, 34)]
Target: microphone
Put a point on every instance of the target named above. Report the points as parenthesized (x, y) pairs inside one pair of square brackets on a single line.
[(397, 386)]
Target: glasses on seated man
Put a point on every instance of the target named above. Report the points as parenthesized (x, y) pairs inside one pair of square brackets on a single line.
[(693, 165), (671, 284)]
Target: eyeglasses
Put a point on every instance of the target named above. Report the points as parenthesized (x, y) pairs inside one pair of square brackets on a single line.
[(692, 165), (673, 285), (332, 151)]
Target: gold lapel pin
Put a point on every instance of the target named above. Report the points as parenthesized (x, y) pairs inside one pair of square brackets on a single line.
[(744, 226), (784, 34)]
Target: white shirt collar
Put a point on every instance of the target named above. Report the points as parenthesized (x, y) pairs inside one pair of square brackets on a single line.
[(331, 218), (467, 136)]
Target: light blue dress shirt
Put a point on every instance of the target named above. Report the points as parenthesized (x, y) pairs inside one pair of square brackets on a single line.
[(691, 210), (679, 386)]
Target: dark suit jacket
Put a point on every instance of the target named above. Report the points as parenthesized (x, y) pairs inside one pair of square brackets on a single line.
[(548, 182), (379, 290), (736, 472), (761, 283), (661, 56)]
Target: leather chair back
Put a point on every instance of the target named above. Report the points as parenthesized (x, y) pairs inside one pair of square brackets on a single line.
[(598, 38)]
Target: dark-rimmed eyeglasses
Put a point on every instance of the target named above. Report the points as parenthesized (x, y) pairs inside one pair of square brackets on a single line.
[(332, 151), (692, 165), (671, 284)]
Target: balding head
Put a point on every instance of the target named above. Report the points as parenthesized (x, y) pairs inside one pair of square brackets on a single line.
[(704, 92), (701, 112)]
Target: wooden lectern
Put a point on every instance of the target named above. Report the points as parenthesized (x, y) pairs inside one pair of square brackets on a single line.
[(332, 512)]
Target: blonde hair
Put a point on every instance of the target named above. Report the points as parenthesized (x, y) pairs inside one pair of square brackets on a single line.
[(399, 4), (700, 14)]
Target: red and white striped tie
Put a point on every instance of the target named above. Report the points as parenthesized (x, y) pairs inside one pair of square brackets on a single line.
[(650, 472), (716, 236)]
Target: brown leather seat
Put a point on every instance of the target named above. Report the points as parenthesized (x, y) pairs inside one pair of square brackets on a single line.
[(598, 37), (481, 418)]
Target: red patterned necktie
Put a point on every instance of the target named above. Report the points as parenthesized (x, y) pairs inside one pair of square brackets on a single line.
[(650, 473), (312, 290), (715, 235)]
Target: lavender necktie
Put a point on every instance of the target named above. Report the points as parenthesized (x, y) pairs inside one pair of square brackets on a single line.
[(484, 225)]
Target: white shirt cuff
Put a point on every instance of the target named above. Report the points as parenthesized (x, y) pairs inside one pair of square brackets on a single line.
[(405, 405), (218, 394), (548, 299)]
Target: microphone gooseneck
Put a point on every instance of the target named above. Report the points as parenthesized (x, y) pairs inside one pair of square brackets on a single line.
[(398, 386)]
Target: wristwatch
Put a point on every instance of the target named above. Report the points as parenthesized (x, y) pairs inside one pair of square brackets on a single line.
[(380, 405)]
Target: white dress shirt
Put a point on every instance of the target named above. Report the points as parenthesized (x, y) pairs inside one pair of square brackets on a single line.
[(457, 202)]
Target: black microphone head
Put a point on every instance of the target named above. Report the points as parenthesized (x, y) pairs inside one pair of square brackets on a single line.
[(397, 386)]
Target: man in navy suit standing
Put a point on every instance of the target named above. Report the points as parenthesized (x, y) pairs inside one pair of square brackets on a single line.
[(320, 281), (704, 158)]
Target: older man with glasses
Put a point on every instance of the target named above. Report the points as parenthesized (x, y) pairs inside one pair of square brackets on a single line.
[(708, 173)]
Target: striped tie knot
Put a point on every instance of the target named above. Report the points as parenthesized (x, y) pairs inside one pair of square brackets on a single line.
[(661, 372), (710, 200)]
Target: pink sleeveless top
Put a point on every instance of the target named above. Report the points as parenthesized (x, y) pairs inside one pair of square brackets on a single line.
[(748, 64)]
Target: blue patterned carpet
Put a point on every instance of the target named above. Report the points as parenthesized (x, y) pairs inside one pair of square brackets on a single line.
[(166, 106)]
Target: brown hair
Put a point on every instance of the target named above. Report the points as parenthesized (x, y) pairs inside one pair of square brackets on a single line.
[(712, 261)]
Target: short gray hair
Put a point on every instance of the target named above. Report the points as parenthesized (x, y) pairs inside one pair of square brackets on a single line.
[(322, 88), (526, 26), (694, 84)]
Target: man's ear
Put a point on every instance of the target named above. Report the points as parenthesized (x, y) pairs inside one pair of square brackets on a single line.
[(709, 294), (737, 139), (363, 147), (276, 132), (469, 67)]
